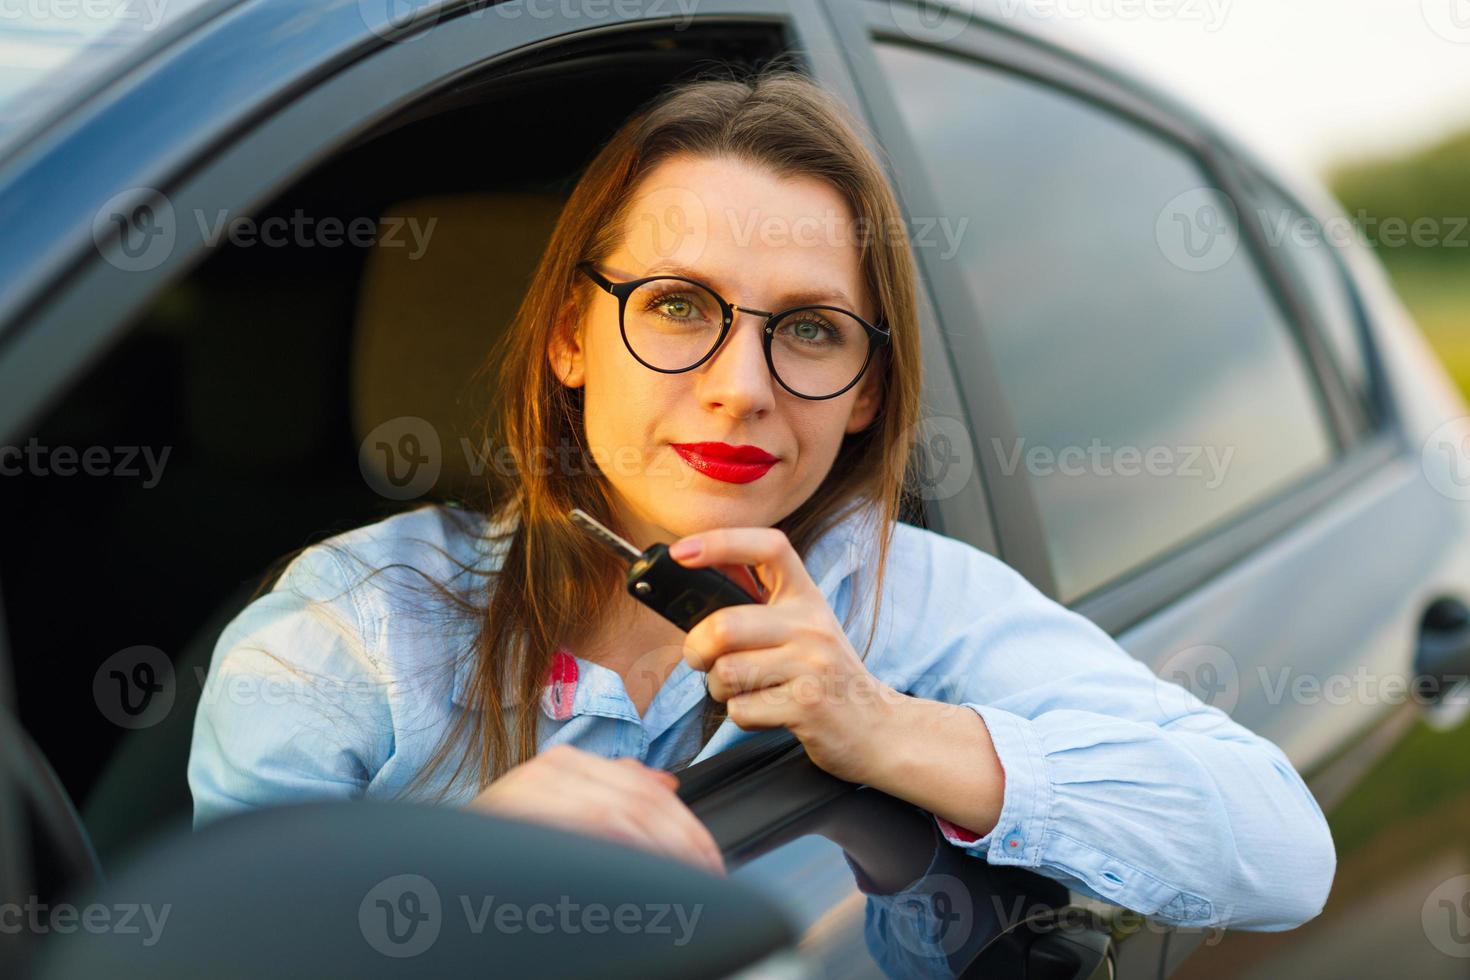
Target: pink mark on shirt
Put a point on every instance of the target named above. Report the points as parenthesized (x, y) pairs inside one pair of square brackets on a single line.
[(561, 684), (956, 832)]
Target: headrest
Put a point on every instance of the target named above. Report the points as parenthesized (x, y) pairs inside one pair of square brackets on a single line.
[(435, 294)]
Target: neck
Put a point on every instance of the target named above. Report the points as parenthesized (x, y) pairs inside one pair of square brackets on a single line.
[(637, 643)]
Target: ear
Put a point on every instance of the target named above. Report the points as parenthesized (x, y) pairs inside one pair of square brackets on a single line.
[(564, 350), (869, 400)]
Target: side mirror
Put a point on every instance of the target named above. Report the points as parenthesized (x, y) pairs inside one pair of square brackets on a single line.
[(373, 889)]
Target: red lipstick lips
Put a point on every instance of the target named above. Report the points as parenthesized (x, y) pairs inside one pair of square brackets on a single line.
[(722, 461)]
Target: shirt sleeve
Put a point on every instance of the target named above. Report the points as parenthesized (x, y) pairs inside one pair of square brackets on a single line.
[(292, 709), (1123, 786)]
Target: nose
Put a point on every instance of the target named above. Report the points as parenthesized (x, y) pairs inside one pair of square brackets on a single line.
[(736, 378)]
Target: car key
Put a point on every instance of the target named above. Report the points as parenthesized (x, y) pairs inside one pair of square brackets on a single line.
[(682, 595)]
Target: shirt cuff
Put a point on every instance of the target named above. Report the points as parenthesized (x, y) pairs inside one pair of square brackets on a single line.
[(1026, 803)]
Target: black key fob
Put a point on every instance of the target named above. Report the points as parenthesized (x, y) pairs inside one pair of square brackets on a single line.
[(682, 595)]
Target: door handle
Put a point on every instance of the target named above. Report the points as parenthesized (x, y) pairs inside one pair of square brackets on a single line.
[(1443, 656)]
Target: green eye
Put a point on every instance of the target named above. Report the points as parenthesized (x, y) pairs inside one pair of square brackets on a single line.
[(813, 331)]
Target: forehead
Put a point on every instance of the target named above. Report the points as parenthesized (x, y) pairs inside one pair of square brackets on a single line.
[(745, 226)]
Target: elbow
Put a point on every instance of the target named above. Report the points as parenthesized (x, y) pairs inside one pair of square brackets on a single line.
[(1292, 881), (1273, 858), (1319, 862), (1317, 857)]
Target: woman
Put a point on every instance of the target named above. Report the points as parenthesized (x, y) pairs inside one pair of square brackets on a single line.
[(1029, 734)]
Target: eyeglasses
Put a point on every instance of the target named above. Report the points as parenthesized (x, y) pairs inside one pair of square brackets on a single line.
[(672, 324)]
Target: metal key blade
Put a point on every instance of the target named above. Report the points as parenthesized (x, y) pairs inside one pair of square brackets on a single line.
[(603, 534)]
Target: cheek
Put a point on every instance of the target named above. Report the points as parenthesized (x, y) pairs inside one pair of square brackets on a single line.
[(819, 436), (631, 417), (615, 392)]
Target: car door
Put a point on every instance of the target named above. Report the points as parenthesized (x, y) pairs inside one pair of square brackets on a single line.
[(1205, 443), (874, 890)]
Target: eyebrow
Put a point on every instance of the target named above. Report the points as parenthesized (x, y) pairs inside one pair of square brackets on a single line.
[(801, 297)]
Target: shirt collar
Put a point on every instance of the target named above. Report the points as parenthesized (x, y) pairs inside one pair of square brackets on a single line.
[(831, 559)]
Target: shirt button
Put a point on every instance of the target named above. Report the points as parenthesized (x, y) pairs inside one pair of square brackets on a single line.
[(1014, 841)]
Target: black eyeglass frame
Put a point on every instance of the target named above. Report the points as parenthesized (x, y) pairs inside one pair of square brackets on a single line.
[(622, 290)]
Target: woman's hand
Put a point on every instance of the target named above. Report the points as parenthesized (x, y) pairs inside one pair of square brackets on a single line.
[(621, 799), (786, 662)]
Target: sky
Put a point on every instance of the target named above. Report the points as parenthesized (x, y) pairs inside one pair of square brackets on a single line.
[(1309, 82)]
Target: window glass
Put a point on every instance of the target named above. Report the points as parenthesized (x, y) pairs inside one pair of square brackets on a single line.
[(1306, 248), (1156, 388)]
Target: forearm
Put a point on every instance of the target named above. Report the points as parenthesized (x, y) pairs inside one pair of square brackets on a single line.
[(939, 757)]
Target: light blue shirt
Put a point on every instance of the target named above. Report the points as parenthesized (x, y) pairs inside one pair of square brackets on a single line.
[(1123, 786)]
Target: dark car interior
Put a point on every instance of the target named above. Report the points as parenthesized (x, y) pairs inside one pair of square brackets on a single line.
[(261, 372)]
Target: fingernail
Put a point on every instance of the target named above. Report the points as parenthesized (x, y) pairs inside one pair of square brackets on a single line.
[(687, 548)]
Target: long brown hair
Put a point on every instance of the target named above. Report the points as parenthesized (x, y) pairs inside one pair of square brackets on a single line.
[(553, 582)]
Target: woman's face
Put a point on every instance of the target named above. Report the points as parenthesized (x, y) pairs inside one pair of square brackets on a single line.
[(760, 241)]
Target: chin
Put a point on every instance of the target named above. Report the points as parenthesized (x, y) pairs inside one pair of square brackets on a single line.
[(716, 514)]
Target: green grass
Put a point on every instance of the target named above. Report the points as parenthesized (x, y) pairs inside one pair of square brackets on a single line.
[(1438, 296), (1421, 774)]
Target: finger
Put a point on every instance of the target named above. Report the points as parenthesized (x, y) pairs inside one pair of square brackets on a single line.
[(770, 707), (672, 841), (655, 793), (634, 828), (678, 821), (624, 775), (749, 670), (736, 628), (669, 819), (586, 793), (766, 549), (661, 775)]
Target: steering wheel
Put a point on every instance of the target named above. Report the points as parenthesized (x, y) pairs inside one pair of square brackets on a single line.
[(44, 849)]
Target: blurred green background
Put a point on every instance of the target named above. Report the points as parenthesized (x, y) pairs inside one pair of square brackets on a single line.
[(1431, 186)]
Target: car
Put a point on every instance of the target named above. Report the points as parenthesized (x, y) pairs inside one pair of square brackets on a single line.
[(1156, 385)]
